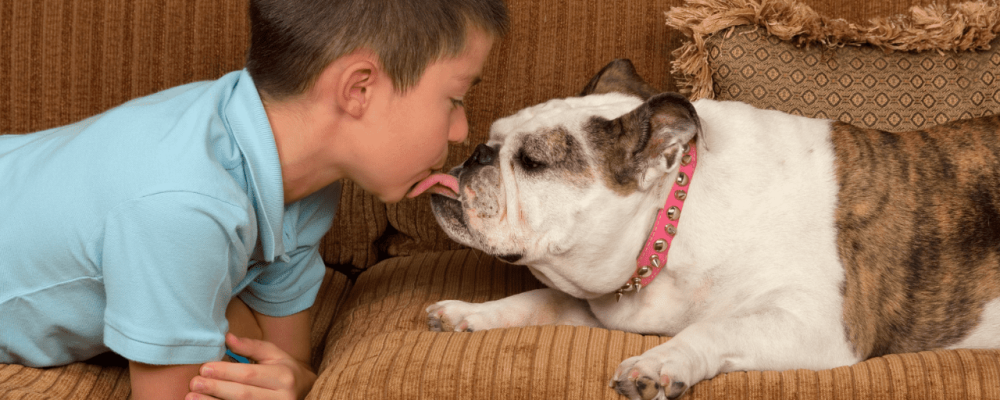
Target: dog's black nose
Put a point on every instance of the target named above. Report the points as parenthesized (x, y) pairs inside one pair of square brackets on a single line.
[(484, 155)]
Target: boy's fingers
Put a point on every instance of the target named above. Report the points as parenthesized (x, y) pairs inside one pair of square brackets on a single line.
[(260, 375), (257, 350), (198, 396), (228, 390)]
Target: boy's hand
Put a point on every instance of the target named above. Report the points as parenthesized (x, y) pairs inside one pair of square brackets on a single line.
[(276, 374)]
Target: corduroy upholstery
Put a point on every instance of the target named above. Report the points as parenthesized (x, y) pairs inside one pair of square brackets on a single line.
[(64, 60)]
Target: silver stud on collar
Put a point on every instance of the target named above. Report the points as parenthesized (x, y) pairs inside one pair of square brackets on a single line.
[(681, 195), (671, 230), (644, 272), (660, 245), (653, 259), (686, 159), (621, 291), (682, 179), (673, 213)]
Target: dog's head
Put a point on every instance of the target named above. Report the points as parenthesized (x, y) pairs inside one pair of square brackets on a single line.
[(558, 184)]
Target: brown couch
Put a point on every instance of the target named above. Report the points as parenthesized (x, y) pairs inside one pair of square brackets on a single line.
[(63, 60)]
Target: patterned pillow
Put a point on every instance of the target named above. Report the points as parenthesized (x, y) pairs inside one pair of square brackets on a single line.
[(900, 74)]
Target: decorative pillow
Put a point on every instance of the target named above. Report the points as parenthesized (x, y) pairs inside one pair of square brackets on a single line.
[(936, 65)]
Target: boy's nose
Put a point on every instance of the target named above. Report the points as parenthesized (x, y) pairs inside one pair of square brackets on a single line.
[(459, 129)]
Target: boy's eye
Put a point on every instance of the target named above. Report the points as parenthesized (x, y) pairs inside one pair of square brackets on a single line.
[(457, 103)]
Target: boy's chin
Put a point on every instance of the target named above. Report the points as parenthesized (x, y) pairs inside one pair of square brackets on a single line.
[(390, 198)]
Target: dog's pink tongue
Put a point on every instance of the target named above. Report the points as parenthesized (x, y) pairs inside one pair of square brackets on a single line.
[(442, 184)]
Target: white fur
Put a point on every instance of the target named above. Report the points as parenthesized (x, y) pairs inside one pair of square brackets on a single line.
[(752, 281), (984, 335)]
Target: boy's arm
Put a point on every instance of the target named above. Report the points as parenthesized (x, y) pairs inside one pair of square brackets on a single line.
[(282, 368), (290, 333), (154, 382)]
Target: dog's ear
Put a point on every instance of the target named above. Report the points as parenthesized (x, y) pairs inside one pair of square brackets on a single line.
[(645, 143), (619, 76)]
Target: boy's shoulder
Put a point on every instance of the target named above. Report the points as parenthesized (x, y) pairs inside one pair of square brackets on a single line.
[(197, 137)]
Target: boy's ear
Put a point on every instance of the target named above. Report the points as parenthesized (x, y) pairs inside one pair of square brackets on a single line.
[(354, 86)]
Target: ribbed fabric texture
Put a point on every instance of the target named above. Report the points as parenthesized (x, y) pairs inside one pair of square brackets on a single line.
[(62, 61), (76, 381)]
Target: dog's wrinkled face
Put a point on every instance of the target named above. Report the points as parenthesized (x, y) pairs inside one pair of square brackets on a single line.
[(557, 183)]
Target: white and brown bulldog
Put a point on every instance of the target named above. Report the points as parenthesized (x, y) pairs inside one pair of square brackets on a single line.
[(765, 241)]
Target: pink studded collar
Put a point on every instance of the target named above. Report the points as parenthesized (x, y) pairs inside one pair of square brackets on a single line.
[(653, 257)]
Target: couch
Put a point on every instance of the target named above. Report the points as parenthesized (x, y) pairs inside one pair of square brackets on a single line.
[(64, 60)]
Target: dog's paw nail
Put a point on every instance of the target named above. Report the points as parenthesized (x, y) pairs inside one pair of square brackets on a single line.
[(612, 383)]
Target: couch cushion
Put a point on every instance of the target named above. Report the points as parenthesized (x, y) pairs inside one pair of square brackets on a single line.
[(898, 74), (106, 376), (380, 347)]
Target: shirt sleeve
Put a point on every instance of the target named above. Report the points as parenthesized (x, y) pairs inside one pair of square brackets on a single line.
[(168, 261), (289, 286)]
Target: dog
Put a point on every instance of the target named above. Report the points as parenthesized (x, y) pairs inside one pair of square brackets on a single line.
[(757, 239)]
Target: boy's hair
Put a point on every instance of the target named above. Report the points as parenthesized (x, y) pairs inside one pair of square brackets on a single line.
[(293, 41)]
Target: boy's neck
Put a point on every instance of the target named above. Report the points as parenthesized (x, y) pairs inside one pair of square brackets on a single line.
[(305, 165)]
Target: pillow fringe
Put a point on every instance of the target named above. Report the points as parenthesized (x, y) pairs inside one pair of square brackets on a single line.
[(959, 27)]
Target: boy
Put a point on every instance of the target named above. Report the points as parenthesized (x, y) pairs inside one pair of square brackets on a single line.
[(156, 227)]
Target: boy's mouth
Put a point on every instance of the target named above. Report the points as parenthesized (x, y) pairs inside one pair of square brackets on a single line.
[(442, 184)]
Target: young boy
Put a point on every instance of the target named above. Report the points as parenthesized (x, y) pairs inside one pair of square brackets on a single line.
[(155, 228)]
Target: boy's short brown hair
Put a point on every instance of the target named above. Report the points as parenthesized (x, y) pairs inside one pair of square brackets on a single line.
[(292, 41)]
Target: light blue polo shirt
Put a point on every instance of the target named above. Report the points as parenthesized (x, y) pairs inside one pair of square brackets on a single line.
[(132, 230)]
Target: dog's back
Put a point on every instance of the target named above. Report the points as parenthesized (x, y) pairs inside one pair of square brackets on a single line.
[(918, 222)]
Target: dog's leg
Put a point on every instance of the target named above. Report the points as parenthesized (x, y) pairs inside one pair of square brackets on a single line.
[(536, 307), (770, 339)]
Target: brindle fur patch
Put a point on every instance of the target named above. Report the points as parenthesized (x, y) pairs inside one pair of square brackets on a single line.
[(919, 232), (626, 145), (616, 150), (561, 153)]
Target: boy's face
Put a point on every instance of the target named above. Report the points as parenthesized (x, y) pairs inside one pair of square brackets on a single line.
[(410, 132)]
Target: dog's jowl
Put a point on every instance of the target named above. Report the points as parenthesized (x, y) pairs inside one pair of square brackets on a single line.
[(758, 240)]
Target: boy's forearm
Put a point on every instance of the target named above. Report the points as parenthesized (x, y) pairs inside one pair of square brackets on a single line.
[(156, 382), (290, 333)]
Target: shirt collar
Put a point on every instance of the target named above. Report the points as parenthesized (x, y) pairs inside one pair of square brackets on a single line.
[(249, 125)]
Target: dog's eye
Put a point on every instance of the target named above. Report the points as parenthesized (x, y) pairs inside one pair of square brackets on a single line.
[(529, 163)]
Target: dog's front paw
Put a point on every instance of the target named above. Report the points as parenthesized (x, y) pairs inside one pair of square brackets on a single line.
[(459, 316), (647, 377)]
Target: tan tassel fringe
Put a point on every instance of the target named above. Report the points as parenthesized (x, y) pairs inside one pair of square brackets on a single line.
[(960, 27)]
